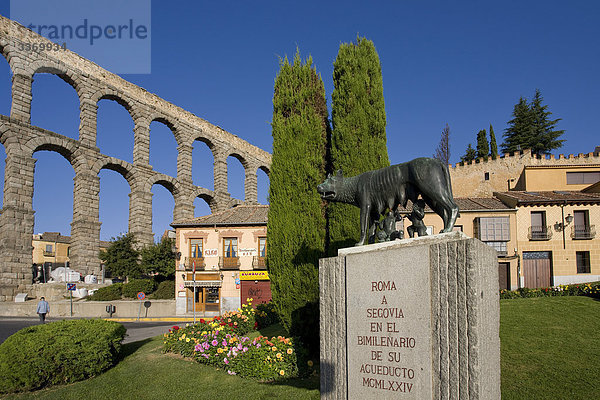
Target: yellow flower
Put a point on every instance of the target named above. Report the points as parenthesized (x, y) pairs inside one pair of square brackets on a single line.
[(310, 363), (274, 348), (278, 355), (289, 351), (282, 372), (187, 339), (219, 350), (180, 337), (204, 332)]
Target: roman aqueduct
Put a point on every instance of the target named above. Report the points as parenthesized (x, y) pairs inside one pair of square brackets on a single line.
[(92, 84)]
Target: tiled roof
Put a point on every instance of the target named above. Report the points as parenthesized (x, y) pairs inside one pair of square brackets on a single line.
[(237, 216), (549, 197), (55, 237), (468, 204)]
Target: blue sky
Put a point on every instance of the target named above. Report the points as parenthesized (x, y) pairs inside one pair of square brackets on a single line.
[(464, 63)]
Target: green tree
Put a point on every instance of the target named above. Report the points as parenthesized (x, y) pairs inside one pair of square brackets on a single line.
[(159, 258), (531, 128), (483, 148), (296, 223), (545, 136), (358, 139), (470, 155), (121, 258), (442, 152), (493, 145)]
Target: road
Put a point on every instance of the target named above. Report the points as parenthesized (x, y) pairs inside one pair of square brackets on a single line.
[(135, 330)]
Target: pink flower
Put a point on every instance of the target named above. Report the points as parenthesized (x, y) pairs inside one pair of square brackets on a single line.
[(245, 349), (226, 361)]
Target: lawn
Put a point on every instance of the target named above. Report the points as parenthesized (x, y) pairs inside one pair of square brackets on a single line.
[(550, 350), (146, 373)]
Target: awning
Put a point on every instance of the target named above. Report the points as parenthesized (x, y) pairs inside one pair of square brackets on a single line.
[(202, 283)]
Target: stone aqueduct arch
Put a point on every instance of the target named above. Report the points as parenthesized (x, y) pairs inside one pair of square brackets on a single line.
[(92, 84)]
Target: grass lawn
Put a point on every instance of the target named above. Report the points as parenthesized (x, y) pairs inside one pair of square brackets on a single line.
[(550, 348), (146, 373)]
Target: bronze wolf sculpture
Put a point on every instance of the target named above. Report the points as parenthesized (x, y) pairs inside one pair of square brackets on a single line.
[(376, 191)]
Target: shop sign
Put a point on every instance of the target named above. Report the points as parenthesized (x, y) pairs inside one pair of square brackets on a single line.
[(211, 252), (254, 275), (248, 252)]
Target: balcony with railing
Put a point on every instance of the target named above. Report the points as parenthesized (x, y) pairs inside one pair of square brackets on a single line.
[(49, 253), (540, 233), (259, 262), (583, 232), (200, 264), (229, 262)]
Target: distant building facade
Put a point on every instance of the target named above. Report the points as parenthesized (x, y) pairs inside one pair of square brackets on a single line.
[(222, 256), (50, 251)]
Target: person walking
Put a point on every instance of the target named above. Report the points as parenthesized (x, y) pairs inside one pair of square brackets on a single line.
[(43, 308)]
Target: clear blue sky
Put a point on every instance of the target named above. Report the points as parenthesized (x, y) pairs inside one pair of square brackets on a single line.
[(465, 63)]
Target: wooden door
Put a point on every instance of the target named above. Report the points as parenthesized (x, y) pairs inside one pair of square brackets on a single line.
[(537, 267), (504, 275)]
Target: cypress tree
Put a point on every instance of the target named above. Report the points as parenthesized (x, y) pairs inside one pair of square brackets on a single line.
[(493, 145), (483, 149), (296, 223), (358, 140)]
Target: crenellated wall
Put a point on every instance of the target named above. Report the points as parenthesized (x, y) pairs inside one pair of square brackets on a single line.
[(92, 84), (504, 173)]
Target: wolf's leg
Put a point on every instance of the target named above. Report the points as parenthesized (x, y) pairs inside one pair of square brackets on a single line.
[(365, 223)]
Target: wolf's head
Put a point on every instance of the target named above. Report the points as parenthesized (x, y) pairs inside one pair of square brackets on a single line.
[(332, 187)]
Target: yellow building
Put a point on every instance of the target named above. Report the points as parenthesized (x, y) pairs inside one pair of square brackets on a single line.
[(50, 251), (222, 256), (489, 220), (556, 236)]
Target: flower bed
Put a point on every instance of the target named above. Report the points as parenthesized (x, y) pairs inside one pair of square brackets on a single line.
[(582, 289), (220, 343)]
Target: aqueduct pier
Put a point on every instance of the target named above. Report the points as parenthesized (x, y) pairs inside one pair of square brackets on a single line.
[(92, 84)]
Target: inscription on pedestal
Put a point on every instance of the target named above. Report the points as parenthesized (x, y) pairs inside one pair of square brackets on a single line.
[(389, 324)]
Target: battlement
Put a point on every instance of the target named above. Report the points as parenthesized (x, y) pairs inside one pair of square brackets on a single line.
[(534, 159)]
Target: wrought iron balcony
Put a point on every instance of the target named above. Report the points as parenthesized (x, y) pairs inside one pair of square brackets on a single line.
[(49, 253), (540, 233), (583, 232), (229, 262), (200, 264), (259, 262)]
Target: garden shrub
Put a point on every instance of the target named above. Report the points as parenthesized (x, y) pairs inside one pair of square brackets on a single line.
[(134, 286), (220, 343), (108, 293), (265, 315), (57, 353), (582, 289), (165, 290)]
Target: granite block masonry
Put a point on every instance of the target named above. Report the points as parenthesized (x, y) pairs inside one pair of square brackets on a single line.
[(411, 319)]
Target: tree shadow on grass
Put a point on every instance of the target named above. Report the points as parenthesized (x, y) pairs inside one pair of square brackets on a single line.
[(130, 348), (308, 383)]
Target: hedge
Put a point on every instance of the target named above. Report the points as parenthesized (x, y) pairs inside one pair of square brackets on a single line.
[(134, 286), (108, 293), (165, 290), (58, 353), (581, 289)]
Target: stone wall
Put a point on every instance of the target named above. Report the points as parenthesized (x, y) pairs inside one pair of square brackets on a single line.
[(92, 84), (504, 173)]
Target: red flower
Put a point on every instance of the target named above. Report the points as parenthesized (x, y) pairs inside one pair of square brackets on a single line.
[(175, 328), (202, 321), (230, 324), (255, 324)]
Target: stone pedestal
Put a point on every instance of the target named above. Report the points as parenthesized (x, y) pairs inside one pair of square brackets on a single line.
[(411, 319)]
